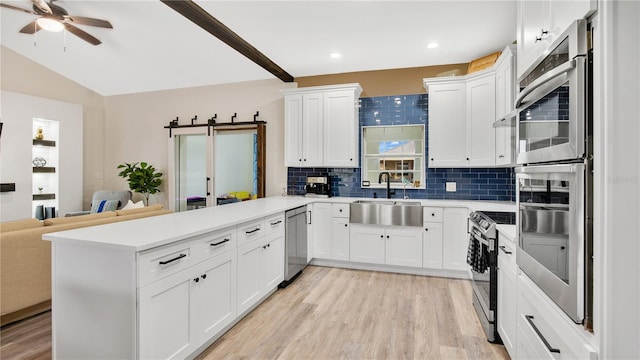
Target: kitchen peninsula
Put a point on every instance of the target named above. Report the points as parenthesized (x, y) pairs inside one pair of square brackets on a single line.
[(168, 286)]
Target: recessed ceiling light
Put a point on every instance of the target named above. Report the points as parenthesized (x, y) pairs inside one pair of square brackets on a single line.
[(336, 55), (432, 45)]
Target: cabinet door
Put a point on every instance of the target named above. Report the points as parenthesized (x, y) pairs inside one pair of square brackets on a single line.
[(214, 300), (273, 263), (566, 12), (507, 299), (293, 130), (432, 246), (250, 283), (340, 127), (322, 238), (312, 129), (165, 322), (340, 237), (404, 246), (367, 244), (481, 114), (447, 125), (455, 239), (533, 18)]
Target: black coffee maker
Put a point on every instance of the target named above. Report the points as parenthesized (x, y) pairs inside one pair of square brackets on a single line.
[(318, 186)]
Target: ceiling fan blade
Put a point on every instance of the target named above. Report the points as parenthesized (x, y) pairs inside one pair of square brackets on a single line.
[(82, 34), (81, 20), (30, 28), (17, 8)]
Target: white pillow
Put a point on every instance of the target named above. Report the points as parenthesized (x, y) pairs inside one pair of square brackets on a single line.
[(131, 205)]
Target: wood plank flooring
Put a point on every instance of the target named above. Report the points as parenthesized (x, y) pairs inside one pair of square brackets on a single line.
[(330, 313)]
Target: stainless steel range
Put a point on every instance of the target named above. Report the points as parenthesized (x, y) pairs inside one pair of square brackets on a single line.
[(482, 256)]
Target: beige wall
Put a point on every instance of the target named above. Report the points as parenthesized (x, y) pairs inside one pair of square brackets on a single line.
[(384, 82), (135, 124), (21, 75)]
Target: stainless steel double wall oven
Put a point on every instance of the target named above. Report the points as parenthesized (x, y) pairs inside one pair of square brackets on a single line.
[(554, 173)]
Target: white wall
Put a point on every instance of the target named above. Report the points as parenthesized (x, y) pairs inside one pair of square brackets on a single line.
[(617, 178), (135, 123), (233, 162), (18, 112)]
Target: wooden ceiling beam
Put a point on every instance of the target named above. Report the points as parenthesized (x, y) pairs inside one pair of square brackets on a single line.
[(193, 12)]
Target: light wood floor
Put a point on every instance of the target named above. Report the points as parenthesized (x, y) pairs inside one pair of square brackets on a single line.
[(330, 313)]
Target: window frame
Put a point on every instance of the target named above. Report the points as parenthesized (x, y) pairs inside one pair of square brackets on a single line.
[(418, 156)]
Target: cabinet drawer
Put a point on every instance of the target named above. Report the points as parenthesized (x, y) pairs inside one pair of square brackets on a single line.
[(250, 231), (340, 210), (432, 214), (274, 224), (507, 252), (219, 242), (155, 264), (546, 328)]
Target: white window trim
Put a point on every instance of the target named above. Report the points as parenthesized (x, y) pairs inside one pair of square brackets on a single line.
[(376, 185)]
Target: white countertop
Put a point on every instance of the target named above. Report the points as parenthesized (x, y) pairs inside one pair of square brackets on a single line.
[(146, 233), (509, 231)]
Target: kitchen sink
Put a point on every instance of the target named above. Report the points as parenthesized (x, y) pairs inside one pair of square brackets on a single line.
[(386, 212)]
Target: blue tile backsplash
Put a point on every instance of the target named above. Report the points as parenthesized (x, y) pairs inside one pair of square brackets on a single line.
[(471, 183)]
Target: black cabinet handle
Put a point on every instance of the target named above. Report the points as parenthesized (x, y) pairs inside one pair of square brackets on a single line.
[(345, 225), (426, 229), (340, 210), (467, 158), (204, 276), (381, 236), (433, 214), (299, 159), (268, 245), (252, 231), (350, 159), (387, 236), (172, 260), (504, 249), (220, 243), (208, 192), (535, 328), (276, 223), (196, 279)]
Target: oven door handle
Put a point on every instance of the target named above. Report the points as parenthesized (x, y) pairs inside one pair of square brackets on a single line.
[(562, 69)]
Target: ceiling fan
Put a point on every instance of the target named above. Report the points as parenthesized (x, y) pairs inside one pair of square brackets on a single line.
[(55, 18)]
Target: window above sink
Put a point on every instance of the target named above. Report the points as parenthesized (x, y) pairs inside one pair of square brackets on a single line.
[(397, 150)]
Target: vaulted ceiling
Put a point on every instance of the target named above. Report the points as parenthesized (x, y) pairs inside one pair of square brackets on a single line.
[(152, 47)]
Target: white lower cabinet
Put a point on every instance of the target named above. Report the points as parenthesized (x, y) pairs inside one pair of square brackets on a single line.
[(180, 312), (432, 245), (386, 245), (455, 239), (321, 227), (260, 269), (340, 239), (507, 296)]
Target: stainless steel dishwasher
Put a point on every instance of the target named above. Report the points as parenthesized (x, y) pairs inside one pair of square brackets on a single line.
[(295, 258)]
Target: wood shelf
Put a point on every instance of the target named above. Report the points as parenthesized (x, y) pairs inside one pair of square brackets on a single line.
[(44, 169), (44, 196), (44, 142)]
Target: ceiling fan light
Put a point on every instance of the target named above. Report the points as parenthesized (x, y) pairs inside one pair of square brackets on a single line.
[(49, 24)]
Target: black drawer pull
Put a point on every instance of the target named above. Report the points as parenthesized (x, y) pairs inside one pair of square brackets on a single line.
[(221, 242), (535, 328), (504, 249), (276, 223), (172, 260), (252, 231)]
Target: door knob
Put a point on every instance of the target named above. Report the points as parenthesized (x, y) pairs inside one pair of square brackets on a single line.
[(196, 279), (204, 276)]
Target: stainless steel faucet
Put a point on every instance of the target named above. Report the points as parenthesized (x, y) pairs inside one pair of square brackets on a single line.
[(388, 182)]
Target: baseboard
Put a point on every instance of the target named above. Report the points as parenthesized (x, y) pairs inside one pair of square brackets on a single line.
[(25, 313), (455, 274)]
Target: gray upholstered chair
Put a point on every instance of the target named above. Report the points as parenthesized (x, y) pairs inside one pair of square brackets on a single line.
[(123, 196)]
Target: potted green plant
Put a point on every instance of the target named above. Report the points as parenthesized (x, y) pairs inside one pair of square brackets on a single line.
[(142, 178)]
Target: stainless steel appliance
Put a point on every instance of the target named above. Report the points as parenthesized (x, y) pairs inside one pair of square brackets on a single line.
[(318, 186), (482, 256), (553, 101), (555, 182), (295, 259)]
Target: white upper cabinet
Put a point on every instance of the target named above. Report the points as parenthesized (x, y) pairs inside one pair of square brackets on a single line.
[(321, 125), (505, 97), (461, 114), (541, 22)]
